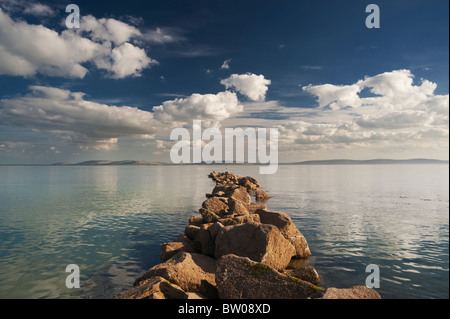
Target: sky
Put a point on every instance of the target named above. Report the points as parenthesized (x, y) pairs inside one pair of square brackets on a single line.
[(115, 88)]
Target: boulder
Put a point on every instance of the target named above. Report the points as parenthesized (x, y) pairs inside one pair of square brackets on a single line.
[(242, 278), (261, 195), (240, 194), (355, 292), (215, 205), (196, 220), (205, 240), (192, 272), (214, 229), (236, 207), (284, 223), (253, 207), (168, 250), (191, 231), (249, 182), (260, 242), (208, 217), (154, 288), (237, 220), (307, 273)]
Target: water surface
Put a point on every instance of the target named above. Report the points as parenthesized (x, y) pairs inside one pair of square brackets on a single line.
[(111, 222)]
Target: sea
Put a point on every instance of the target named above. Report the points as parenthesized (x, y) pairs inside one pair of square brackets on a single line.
[(110, 221)]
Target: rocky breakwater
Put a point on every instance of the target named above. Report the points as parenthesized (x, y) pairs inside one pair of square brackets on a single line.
[(237, 249)]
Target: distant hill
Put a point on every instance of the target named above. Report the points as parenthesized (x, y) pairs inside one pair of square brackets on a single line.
[(108, 163), (323, 162), (372, 161)]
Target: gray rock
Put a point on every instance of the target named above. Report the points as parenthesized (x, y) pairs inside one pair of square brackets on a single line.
[(260, 242), (238, 220), (168, 250), (196, 220), (284, 223), (241, 278), (355, 292), (236, 207), (191, 231), (154, 288), (192, 272), (261, 195), (307, 273), (215, 205)]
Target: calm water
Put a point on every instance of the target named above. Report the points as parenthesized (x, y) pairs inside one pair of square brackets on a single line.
[(111, 221)]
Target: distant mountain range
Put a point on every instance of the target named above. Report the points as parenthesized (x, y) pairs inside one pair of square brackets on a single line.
[(372, 161), (322, 162), (108, 163)]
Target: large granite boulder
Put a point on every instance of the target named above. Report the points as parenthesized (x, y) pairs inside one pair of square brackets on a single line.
[(237, 220), (242, 278), (205, 240), (261, 195), (192, 272), (168, 250), (236, 207), (240, 194), (215, 205), (248, 182), (284, 223), (260, 242), (156, 288), (355, 292)]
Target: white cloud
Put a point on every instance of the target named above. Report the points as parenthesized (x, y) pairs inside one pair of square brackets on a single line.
[(162, 36), (26, 49), (92, 125), (335, 96), (39, 9), (128, 60), (251, 85), (112, 30), (68, 115), (226, 64), (393, 91), (398, 115), (199, 106)]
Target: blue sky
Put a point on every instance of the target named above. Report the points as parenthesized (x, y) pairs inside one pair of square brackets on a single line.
[(333, 87)]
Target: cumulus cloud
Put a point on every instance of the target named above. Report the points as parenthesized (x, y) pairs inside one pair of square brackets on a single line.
[(251, 85), (335, 96), (392, 91), (397, 114), (68, 115), (26, 49), (92, 125), (199, 106)]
